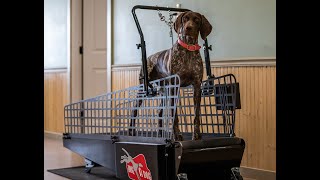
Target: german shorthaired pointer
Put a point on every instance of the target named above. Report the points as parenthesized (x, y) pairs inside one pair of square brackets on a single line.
[(183, 59)]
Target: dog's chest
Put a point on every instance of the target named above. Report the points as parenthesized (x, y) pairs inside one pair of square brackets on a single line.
[(188, 65)]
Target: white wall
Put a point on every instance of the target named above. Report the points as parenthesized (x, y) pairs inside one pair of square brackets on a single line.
[(241, 28)]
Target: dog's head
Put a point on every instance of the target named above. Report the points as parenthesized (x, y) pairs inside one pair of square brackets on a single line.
[(191, 23)]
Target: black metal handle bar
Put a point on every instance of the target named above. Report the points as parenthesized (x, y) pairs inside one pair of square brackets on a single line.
[(207, 58)]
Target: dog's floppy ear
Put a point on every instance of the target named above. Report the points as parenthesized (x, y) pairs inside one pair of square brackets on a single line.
[(178, 22), (205, 28)]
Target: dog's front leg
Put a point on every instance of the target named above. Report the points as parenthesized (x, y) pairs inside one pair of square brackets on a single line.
[(132, 127), (160, 120), (197, 102), (176, 131)]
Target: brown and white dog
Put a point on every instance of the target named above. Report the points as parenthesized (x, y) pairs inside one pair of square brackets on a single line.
[(183, 59)]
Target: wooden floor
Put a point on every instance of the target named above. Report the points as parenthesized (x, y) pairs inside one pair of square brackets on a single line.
[(56, 156)]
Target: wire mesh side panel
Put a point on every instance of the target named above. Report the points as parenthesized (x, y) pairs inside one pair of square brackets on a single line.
[(90, 116), (218, 104), (127, 112)]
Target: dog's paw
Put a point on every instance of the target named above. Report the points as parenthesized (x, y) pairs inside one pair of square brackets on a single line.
[(196, 136), (132, 132), (178, 137)]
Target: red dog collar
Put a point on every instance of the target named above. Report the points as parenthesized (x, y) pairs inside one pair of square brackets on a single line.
[(192, 47)]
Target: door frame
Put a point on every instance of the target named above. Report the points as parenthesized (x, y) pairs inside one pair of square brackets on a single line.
[(109, 44), (76, 41)]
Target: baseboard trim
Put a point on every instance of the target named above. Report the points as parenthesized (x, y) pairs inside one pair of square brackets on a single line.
[(257, 174), (127, 67), (55, 70), (236, 62), (51, 134), (244, 62)]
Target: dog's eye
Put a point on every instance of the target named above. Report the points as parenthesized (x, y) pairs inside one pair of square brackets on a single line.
[(196, 20), (186, 18)]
